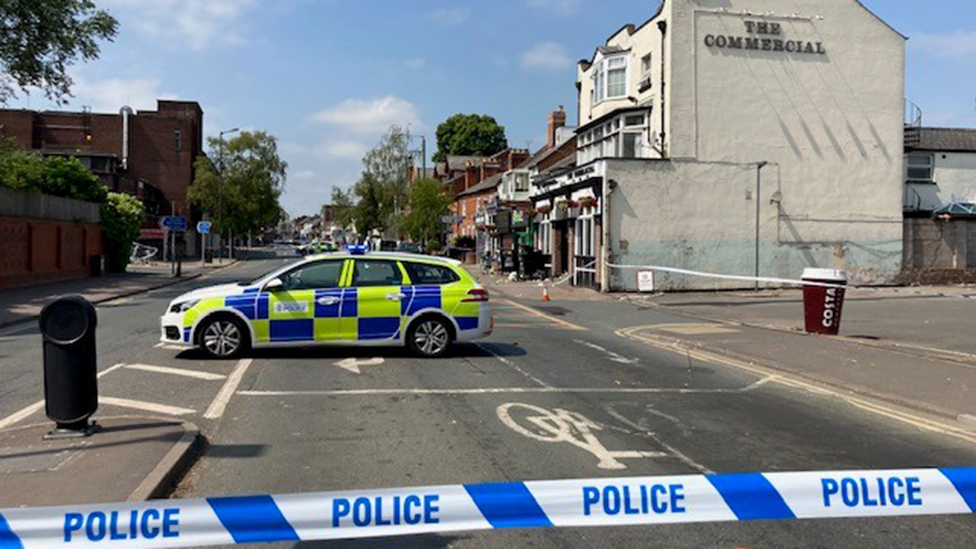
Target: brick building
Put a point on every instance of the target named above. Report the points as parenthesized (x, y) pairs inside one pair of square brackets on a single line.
[(149, 154)]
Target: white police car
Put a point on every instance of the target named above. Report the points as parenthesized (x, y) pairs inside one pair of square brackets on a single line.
[(384, 298)]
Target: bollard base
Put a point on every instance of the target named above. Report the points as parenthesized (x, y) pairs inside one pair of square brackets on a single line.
[(73, 430)]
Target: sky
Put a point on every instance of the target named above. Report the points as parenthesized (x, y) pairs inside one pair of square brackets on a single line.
[(327, 77)]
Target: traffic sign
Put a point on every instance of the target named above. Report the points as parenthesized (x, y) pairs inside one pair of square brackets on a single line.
[(204, 227), (451, 219), (173, 223)]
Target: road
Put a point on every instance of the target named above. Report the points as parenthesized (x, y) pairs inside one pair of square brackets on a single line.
[(302, 420)]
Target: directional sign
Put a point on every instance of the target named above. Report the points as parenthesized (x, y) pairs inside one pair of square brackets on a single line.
[(204, 227), (173, 223), (451, 219)]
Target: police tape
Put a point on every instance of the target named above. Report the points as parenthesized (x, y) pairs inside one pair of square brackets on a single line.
[(561, 503), (787, 281)]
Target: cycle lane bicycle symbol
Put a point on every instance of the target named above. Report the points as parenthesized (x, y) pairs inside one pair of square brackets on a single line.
[(558, 425)]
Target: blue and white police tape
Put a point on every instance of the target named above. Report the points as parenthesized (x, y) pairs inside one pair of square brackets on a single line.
[(561, 503)]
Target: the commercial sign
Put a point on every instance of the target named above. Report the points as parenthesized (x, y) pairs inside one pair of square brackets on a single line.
[(764, 36), (645, 281)]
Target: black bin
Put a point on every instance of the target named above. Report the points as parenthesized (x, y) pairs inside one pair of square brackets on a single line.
[(70, 364)]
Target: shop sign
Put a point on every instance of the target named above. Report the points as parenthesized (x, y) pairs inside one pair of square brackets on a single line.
[(764, 36)]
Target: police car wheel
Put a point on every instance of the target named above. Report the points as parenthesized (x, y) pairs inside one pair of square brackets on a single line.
[(430, 337), (222, 337)]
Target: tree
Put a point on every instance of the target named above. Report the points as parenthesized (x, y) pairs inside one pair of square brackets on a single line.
[(246, 198), (428, 202), (385, 181), (469, 135), (122, 217), (40, 39), (343, 207), (55, 175)]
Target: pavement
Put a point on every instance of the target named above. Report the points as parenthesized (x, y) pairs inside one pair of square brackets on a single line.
[(24, 304), (302, 420)]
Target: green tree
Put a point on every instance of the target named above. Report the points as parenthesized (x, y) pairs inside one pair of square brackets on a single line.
[(19, 169), (66, 176), (343, 207), (385, 182), (469, 135), (428, 202), (41, 39), (246, 198), (372, 211), (122, 217)]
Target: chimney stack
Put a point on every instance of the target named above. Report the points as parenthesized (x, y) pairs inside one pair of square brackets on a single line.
[(557, 119)]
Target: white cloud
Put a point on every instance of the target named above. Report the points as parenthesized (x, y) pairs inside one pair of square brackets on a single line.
[(549, 56), (179, 24), (341, 148), (111, 94), (559, 7), (371, 116), (303, 174), (415, 64), (956, 44), (449, 17)]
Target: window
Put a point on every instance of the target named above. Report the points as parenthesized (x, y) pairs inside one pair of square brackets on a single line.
[(521, 182), (634, 120), (631, 145), (177, 141), (426, 274), (646, 66), (584, 236), (376, 273), (324, 274), (920, 168), (616, 77)]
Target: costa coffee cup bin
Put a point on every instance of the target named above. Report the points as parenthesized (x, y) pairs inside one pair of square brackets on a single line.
[(822, 306)]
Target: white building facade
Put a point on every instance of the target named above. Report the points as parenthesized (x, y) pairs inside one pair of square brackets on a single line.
[(684, 118)]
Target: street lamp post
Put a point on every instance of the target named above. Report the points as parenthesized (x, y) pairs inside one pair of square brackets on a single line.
[(220, 189), (759, 167)]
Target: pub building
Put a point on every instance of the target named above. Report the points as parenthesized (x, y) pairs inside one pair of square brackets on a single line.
[(735, 137)]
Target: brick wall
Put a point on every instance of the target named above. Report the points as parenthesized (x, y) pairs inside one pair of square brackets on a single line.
[(34, 251), (932, 244)]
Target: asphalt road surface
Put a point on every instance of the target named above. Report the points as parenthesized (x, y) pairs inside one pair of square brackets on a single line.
[(302, 420)]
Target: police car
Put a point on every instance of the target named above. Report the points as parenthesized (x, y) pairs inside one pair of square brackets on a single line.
[(375, 299)]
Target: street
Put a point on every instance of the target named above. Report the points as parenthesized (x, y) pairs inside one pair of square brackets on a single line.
[(555, 393)]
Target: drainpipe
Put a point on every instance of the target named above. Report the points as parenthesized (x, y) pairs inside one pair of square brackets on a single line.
[(663, 26), (126, 112), (605, 255)]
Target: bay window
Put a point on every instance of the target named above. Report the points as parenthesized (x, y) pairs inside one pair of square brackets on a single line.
[(609, 78)]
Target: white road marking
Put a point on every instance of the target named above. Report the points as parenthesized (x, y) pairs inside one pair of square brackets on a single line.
[(559, 425), (614, 357), (168, 347), (513, 365), (175, 371), (353, 364), (146, 406), (28, 411), (219, 404), (674, 451), (512, 390)]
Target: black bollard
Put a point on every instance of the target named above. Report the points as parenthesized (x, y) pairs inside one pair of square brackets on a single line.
[(70, 366)]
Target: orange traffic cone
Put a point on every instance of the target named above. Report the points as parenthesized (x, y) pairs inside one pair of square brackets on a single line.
[(545, 292)]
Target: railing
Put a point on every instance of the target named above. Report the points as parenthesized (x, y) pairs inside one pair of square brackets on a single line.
[(584, 271), (913, 115)]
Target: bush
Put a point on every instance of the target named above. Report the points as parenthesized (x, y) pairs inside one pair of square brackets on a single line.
[(67, 177), (122, 217), (433, 246)]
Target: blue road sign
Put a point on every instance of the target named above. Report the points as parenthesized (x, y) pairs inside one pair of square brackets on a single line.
[(204, 227), (173, 223)]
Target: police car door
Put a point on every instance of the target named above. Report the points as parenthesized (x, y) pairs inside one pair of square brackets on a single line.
[(306, 307), (376, 289)]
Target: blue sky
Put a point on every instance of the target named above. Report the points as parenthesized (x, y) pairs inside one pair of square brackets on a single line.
[(327, 76)]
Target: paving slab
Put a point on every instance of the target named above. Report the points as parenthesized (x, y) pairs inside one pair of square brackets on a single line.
[(131, 459)]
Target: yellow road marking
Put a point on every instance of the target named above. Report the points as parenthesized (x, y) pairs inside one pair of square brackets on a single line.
[(776, 376), (695, 329), (530, 310)]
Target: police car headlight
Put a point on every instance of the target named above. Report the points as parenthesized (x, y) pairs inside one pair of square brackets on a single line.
[(183, 306)]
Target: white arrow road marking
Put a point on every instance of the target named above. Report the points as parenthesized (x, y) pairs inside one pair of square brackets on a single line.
[(353, 364), (175, 371), (614, 357)]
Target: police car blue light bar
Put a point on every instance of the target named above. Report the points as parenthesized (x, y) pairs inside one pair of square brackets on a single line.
[(562, 503), (356, 249)]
